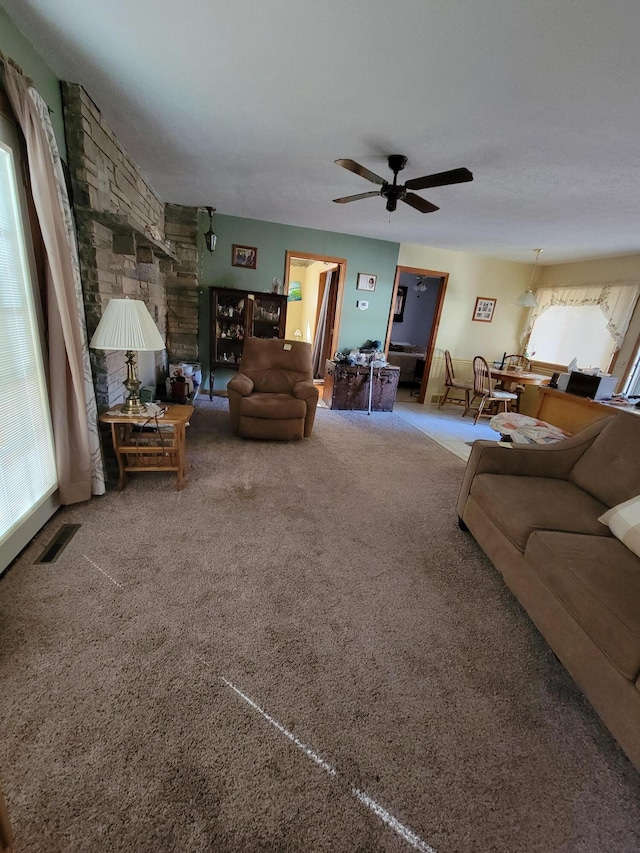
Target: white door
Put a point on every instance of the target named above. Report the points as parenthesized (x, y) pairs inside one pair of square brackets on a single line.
[(28, 478)]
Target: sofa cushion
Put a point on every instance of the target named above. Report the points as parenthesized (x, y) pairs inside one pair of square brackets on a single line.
[(610, 469), (598, 580), (273, 407), (519, 505)]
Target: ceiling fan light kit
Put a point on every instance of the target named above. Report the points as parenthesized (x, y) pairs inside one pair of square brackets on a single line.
[(395, 192)]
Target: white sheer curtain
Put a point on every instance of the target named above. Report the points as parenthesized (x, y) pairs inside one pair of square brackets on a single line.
[(616, 300), (73, 404)]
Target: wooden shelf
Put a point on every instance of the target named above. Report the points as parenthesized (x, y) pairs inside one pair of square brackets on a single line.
[(125, 225)]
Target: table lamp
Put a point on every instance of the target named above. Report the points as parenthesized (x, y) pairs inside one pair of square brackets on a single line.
[(127, 325)]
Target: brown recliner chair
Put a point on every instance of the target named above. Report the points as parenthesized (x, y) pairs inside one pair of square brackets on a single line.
[(273, 395)]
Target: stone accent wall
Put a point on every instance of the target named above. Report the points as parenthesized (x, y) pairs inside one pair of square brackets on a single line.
[(123, 247), (105, 178)]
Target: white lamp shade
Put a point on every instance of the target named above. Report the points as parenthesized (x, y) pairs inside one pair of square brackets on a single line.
[(127, 325), (527, 299)]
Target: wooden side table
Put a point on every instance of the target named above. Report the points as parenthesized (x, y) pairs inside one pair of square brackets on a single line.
[(161, 449)]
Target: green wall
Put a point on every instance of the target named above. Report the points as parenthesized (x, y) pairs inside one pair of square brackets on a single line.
[(377, 257), (14, 45)]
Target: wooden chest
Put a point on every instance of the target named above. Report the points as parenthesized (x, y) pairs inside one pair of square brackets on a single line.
[(347, 387)]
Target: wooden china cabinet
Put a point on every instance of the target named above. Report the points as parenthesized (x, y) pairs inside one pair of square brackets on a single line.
[(236, 314)]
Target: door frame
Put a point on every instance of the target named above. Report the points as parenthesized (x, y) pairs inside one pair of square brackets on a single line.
[(341, 264), (435, 324)]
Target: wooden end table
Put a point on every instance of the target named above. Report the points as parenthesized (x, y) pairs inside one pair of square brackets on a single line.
[(161, 449)]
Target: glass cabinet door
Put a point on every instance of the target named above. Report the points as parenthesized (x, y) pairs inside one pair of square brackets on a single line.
[(268, 316), (229, 323)]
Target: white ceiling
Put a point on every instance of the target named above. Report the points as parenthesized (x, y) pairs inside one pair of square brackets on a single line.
[(244, 105)]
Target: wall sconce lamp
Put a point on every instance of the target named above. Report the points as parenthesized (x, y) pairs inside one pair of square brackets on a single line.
[(210, 236), (127, 325), (528, 298)]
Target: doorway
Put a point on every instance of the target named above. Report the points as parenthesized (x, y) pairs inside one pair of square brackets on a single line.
[(416, 307), (315, 285)]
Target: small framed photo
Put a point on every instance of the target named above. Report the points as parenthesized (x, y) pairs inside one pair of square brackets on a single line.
[(366, 281), (483, 312), (244, 256)]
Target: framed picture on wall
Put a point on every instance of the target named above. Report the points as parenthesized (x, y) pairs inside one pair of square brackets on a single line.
[(398, 308), (244, 256), (366, 281), (483, 312)]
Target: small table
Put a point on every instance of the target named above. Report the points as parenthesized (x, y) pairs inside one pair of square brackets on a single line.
[(511, 378), (161, 449)]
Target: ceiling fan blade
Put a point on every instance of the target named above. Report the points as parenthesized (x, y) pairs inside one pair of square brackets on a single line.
[(352, 166), (354, 197), (441, 179), (419, 203)]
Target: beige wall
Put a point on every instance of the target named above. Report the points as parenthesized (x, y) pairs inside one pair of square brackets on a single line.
[(310, 301), (472, 275), (295, 309)]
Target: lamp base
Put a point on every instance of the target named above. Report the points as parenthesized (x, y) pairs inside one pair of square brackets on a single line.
[(132, 404)]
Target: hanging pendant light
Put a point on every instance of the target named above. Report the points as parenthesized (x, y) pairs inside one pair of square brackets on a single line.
[(210, 236), (420, 284), (528, 298)]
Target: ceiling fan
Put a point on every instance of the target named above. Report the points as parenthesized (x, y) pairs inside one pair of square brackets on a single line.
[(400, 192)]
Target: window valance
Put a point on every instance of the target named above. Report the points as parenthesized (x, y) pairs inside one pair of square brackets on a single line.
[(617, 301)]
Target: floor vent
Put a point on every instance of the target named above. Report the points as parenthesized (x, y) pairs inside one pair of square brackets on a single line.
[(435, 398), (58, 543)]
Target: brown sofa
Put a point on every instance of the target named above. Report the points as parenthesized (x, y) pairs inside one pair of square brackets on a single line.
[(273, 395), (534, 510)]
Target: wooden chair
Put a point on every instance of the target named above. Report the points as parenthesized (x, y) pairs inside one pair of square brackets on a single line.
[(512, 362), (450, 382), (483, 389)]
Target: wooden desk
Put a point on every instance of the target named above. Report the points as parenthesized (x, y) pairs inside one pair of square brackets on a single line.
[(158, 450), (573, 413)]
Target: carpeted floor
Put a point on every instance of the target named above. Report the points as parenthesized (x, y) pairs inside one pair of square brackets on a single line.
[(299, 652)]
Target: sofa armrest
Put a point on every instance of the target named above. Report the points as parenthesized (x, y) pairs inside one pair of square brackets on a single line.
[(237, 388), (307, 391), (241, 384), (530, 460)]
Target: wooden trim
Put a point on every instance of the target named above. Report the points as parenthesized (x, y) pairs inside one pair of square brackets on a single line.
[(341, 264), (626, 375), (435, 324)]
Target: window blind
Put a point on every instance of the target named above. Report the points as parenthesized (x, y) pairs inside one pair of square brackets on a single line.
[(563, 332), (27, 460)]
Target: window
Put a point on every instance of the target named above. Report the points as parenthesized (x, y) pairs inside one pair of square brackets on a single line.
[(587, 322), (567, 331), (28, 476)]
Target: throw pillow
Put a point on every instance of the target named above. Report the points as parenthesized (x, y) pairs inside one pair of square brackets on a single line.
[(624, 523)]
